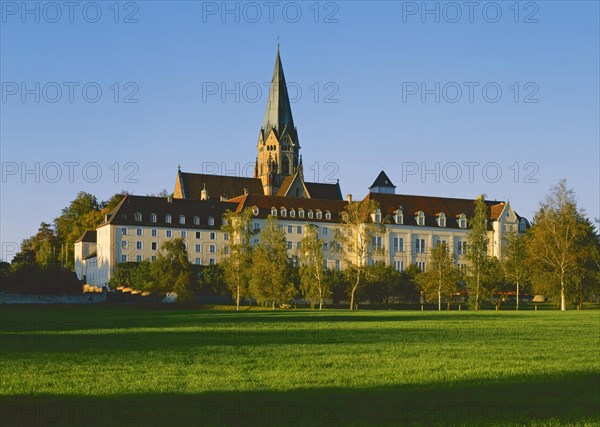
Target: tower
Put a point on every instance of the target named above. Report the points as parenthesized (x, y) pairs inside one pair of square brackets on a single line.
[(278, 146)]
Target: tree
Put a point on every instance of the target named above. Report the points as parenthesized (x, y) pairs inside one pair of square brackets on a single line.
[(172, 271), (477, 253), (312, 281), (354, 239), (514, 262), (383, 282), (272, 276), (442, 276), (556, 243), (237, 265)]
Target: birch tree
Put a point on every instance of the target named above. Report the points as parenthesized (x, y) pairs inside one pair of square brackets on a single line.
[(477, 253), (312, 280), (441, 280), (514, 263)]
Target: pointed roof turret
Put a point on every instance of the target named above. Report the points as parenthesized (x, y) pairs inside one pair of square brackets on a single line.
[(383, 184), (279, 112)]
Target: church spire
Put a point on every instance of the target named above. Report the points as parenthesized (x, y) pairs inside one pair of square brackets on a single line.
[(279, 112)]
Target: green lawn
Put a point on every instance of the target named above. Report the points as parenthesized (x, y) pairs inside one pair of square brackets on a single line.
[(141, 366)]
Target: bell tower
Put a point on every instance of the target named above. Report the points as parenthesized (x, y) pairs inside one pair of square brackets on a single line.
[(278, 146)]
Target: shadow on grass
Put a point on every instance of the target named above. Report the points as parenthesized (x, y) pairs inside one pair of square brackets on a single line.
[(572, 398)]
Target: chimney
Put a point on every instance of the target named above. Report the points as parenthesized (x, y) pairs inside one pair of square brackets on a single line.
[(204, 193), (349, 198)]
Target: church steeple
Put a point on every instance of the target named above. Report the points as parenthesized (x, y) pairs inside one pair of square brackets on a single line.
[(278, 146), (278, 115)]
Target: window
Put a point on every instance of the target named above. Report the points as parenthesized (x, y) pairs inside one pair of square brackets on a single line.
[(325, 246), (256, 226), (154, 232), (255, 210), (324, 264), (398, 244), (226, 250), (299, 229), (319, 214), (168, 218), (274, 211), (337, 264), (124, 231), (298, 245), (197, 261), (289, 245), (310, 214), (198, 234), (292, 213), (290, 229), (212, 249), (153, 217), (139, 232), (462, 221), (325, 231), (138, 258), (183, 234), (399, 217), (522, 226), (211, 221), (377, 216), (442, 219), (138, 216), (196, 220), (198, 248), (376, 242), (399, 265), (420, 245), (211, 261), (123, 244), (421, 265), (283, 212), (225, 236), (213, 235), (153, 258), (154, 245), (138, 245), (301, 213), (420, 218), (169, 233), (123, 258), (327, 215), (461, 248)]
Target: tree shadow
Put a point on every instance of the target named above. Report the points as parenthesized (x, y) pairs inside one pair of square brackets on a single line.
[(524, 400)]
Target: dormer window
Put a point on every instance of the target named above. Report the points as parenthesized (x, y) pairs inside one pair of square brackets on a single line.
[(420, 218), (441, 219), (196, 220), (255, 210), (211, 221), (153, 217), (292, 213), (168, 218), (181, 219), (319, 214), (301, 213), (327, 215), (273, 211), (522, 225), (399, 217), (377, 216), (310, 214), (345, 216), (138, 216), (283, 212), (462, 220)]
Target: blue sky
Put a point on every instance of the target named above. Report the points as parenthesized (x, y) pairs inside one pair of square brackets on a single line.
[(365, 79)]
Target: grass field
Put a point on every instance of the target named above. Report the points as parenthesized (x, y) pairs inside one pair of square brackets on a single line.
[(136, 365)]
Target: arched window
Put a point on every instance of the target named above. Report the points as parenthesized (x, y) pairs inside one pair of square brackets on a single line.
[(319, 214), (285, 167), (462, 220), (168, 218), (377, 216), (283, 211), (327, 215), (399, 217), (301, 213), (310, 214), (292, 213), (420, 218), (274, 211), (441, 219), (255, 210)]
